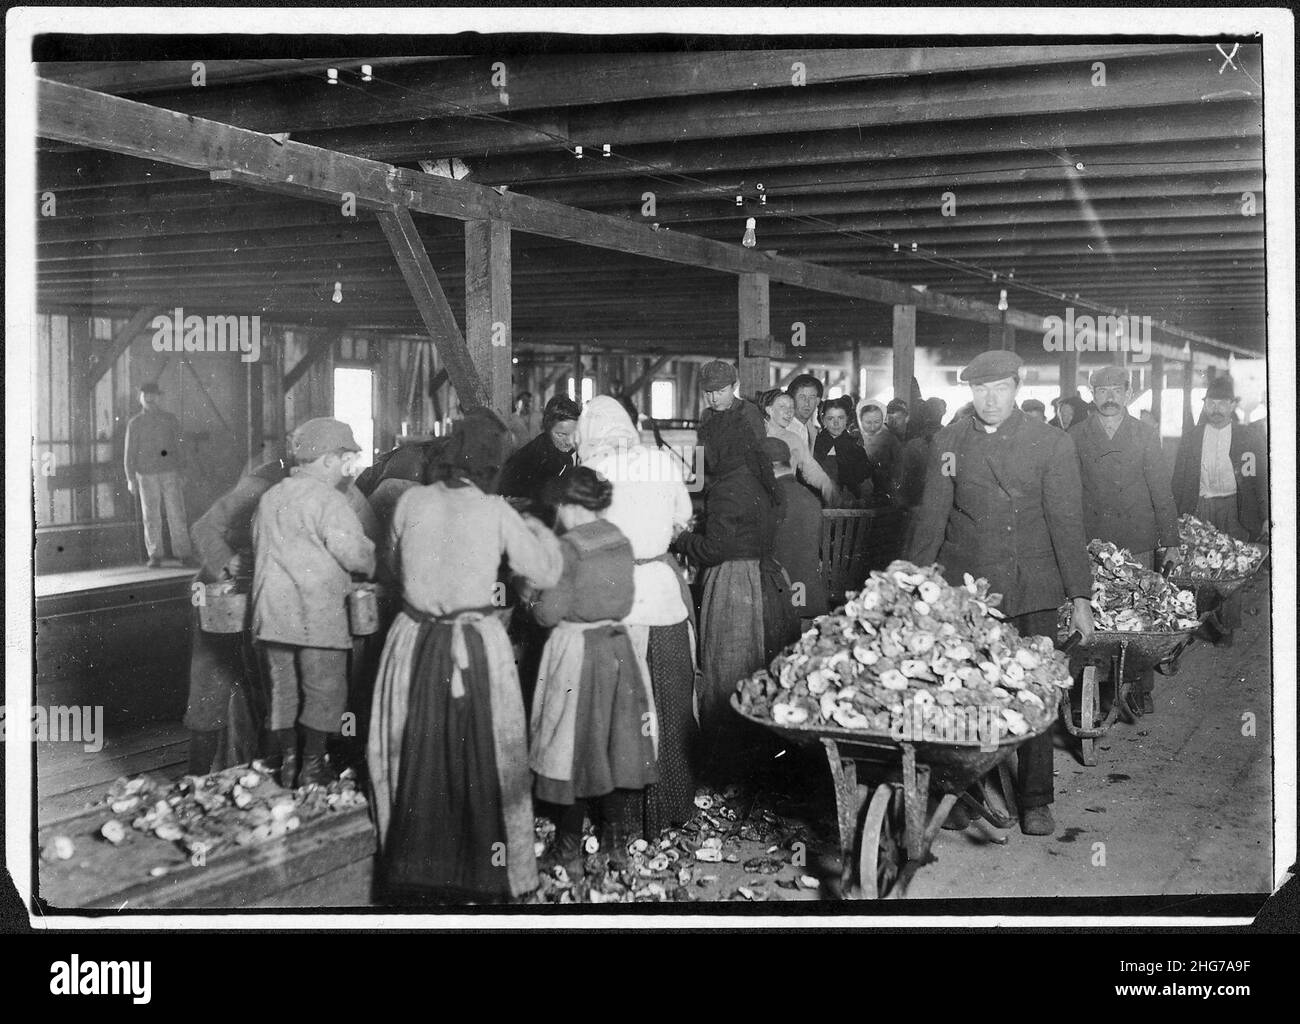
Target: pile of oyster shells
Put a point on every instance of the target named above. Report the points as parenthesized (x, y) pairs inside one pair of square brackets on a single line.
[(1127, 597), (1210, 554), (241, 806), (910, 646)]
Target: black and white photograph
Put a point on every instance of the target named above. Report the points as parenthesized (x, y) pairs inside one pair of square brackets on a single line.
[(649, 466)]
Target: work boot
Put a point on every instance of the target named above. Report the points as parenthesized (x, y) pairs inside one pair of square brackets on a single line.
[(1148, 704), (1037, 821), (614, 840), (316, 771), (154, 563), (288, 773)]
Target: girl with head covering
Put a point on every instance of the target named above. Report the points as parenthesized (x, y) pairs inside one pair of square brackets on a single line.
[(747, 612), (839, 454), (650, 505), (591, 748), (778, 411), (882, 446), (448, 749), (551, 454)]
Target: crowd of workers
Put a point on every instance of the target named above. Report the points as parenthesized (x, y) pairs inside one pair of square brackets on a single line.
[(543, 652)]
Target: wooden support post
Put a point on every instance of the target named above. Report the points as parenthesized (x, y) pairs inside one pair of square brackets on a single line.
[(1069, 363), (855, 369), (1002, 336), (316, 348), (577, 373), (81, 400), (120, 344), (642, 382), (435, 311), (487, 308), (754, 364), (256, 430), (1157, 390), (904, 350), (1189, 376)]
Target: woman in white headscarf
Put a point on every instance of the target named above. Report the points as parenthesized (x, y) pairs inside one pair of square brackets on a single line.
[(650, 506)]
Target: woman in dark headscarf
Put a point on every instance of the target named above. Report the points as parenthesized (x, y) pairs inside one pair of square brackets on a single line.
[(448, 749), (549, 455), (841, 456), (747, 613)]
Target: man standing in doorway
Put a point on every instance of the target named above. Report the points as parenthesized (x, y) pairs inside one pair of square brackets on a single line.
[(154, 463), (1221, 476), (1003, 501), (806, 390), (1126, 495)]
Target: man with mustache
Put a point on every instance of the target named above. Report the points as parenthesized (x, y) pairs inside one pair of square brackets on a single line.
[(1002, 501), (1126, 495), (1221, 476)]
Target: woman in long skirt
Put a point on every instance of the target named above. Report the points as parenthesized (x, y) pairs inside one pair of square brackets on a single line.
[(447, 750), (747, 613), (592, 722), (650, 505)]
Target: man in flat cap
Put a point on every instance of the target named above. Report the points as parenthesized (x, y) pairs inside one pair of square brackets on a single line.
[(718, 382), (1126, 494), (155, 461), (1221, 476), (1003, 501), (1034, 409)]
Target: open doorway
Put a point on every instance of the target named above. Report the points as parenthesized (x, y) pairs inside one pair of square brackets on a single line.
[(354, 404)]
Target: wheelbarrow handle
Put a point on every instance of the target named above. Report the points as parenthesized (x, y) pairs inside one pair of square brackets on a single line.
[(1070, 642)]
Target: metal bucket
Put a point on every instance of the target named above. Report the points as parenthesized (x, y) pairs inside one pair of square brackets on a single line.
[(223, 610), (363, 610)]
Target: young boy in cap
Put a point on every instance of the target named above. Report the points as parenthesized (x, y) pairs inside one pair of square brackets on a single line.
[(307, 542), (154, 461), (718, 382), (1002, 501), (1126, 496), (1034, 409)]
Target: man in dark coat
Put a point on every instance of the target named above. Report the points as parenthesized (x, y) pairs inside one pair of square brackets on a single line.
[(798, 534), (1126, 495), (1221, 476), (1003, 501)]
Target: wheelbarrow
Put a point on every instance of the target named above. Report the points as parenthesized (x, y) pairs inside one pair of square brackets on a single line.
[(1119, 649), (892, 779)]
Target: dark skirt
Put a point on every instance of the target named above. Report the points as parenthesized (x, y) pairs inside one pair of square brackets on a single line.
[(671, 800), (612, 747), (448, 827)]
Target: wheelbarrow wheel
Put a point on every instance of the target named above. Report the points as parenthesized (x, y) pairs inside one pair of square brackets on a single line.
[(881, 858), (1089, 713)]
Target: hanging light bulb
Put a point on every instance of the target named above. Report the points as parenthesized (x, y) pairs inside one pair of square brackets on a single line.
[(332, 76), (762, 199), (1002, 300), (338, 291), (367, 73), (605, 150), (577, 151), (740, 200), (913, 247), (895, 247), (750, 239)]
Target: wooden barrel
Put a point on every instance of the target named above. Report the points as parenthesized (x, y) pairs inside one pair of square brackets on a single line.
[(363, 610), (223, 610)]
